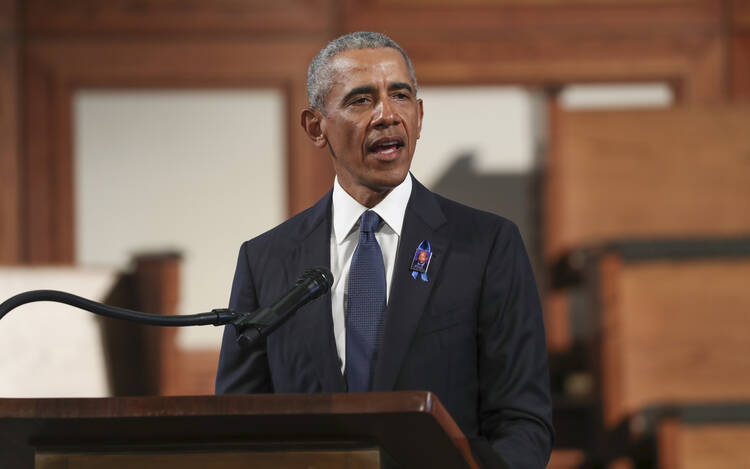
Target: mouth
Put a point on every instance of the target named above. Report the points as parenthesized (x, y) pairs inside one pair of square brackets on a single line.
[(386, 146)]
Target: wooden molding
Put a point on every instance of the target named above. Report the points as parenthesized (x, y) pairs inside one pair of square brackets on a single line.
[(8, 17), (10, 220), (234, 43), (691, 62), (55, 70), (740, 66), (113, 17), (550, 42), (369, 458), (456, 19), (10, 156), (739, 14), (47, 170)]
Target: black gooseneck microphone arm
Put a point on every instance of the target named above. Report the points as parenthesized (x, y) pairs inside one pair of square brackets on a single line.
[(216, 317), (251, 326)]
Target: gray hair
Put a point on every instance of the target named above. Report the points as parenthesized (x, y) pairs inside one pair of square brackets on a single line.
[(319, 74)]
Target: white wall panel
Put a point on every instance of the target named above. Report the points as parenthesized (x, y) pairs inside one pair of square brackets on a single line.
[(498, 126), (199, 171)]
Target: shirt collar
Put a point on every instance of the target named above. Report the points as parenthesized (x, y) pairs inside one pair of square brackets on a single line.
[(346, 210)]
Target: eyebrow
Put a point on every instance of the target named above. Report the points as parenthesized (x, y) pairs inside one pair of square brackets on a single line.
[(400, 86), (369, 89)]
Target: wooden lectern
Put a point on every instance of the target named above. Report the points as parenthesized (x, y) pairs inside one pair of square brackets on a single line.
[(408, 429)]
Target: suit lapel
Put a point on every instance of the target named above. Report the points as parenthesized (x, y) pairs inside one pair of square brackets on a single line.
[(316, 319), (408, 299)]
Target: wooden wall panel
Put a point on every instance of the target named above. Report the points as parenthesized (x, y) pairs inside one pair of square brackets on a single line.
[(739, 58), (311, 170), (740, 66), (615, 175), (55, 70), (10, 214), (9, 16), (739, 14), (692, 63), (48, 210), (10, 228), (552, 42), (675, 333), (488, 19), (168, 44), (295, 17)]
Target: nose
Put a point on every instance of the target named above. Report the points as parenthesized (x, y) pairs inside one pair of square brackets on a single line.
[(385, 113)]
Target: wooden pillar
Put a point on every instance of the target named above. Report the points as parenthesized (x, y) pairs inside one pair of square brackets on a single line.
[(739, 57), (310, 172), (10, 221)]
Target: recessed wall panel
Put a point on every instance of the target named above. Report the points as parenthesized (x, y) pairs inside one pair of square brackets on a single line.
[(197, 171)]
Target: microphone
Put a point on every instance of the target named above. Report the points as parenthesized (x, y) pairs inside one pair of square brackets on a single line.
[(256, 325), (312, 284)]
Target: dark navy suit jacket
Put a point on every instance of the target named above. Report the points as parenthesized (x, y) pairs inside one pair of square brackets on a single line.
[(472, 334)]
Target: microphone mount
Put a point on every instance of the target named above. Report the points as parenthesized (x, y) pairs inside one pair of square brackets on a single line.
[(256, 325)]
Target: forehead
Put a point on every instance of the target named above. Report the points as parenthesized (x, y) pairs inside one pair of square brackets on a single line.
[(359, 67)]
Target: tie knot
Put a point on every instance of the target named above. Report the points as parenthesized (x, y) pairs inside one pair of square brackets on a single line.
[(369, 222)]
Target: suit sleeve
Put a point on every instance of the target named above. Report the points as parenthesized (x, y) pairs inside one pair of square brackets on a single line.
[(515, 406), (242, 370)]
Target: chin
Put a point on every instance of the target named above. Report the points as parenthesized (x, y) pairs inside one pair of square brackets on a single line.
[(390, 180)]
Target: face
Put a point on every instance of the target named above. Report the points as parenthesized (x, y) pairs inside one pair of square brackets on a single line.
[(422, 258), (371, 123)]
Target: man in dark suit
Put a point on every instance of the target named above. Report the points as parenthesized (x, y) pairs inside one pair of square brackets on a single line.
[(466, 325)]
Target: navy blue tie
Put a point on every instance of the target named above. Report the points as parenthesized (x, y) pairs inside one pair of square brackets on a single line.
[(365, 306)]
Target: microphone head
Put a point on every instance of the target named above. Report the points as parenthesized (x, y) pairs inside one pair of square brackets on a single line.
[(322, 277)]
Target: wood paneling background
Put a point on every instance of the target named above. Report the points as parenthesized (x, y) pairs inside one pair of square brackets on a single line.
[(255, 17), (50, 49), (57, 69), (739, 59), (10, 214), (696, 45)]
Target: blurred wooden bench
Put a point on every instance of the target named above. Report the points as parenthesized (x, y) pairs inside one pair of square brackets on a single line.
[(147, 360), (646, 174), (674, 330), (702, 436), (703, 445)]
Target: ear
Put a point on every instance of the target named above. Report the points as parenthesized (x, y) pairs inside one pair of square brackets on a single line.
[(312, 122), (420, 111)]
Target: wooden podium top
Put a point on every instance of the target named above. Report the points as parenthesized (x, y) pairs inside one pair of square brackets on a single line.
[(412, 427)]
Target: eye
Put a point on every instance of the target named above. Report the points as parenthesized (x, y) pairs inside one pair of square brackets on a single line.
[(401, 96), (359, 101)]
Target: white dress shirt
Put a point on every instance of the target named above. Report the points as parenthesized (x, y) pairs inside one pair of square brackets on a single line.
[(344, 240)]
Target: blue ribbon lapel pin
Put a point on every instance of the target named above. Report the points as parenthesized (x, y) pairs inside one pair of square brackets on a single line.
[(421, 261)]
